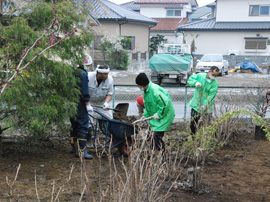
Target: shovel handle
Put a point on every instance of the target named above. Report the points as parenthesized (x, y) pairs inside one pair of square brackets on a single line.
[(107, 108), (145, 119)]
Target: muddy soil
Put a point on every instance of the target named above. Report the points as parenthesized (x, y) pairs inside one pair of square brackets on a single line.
[(239, 171)]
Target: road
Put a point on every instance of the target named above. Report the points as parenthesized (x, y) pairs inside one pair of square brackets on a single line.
[(233, 79), (129, 94)]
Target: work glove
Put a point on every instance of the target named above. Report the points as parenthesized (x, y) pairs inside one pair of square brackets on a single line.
[(203, 108), (155, 116), (89, 108), (198, 84), (106, 106)]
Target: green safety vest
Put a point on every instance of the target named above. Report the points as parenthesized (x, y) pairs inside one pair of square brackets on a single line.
[(208, 92), (157, 100)]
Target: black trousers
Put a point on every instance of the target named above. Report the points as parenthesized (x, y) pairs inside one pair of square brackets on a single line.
[(195, 116), (158, 142)]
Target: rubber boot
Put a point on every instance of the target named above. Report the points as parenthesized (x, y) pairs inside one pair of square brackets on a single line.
[(73, 148), (82, 150)]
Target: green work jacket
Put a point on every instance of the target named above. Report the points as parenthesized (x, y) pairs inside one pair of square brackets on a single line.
[(157, 100), (208, 92)]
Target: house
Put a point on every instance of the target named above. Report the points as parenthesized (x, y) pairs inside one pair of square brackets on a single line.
[(116, 20), (170, 14), (132, 6), (239, 27), (200, 13)]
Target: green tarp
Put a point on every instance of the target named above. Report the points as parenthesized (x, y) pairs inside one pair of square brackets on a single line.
[(167, 62)]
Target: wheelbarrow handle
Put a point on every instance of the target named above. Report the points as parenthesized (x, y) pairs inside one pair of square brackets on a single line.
[(145, 119), (107, 108)]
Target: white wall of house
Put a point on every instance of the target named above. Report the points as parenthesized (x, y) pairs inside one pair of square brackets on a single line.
[(174, 38), (110, 29), (139, 31), (141, 34), (224, 42), (238, 10), (159, 11)]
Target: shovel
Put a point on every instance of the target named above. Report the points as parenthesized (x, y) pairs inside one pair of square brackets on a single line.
[(117, 110)]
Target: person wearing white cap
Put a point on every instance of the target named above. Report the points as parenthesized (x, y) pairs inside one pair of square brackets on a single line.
[(80, 123), (101, 89)]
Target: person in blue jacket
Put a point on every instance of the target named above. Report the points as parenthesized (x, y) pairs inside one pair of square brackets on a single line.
[(80, 124)]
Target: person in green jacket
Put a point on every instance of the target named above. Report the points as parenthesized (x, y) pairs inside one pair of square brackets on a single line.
[(204, 95), (157, 103)]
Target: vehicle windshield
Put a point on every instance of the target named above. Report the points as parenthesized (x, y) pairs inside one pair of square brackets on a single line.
[(211, 58)]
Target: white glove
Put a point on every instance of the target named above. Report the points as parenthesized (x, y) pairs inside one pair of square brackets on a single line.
[(198, 84), (203, 108), (155, 116), (106, 106), (89, 108)]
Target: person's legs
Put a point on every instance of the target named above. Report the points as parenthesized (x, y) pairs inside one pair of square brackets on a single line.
[(195, 116), (158, 142), (73, 135), (82, 130)]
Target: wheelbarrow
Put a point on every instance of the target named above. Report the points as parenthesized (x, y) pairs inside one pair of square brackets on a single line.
[(120, 132)]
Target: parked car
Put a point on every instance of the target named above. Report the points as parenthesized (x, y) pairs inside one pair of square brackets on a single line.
[(209, 60)]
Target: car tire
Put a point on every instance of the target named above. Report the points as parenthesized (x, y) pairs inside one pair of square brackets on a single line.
[(226, 73), (221, 72)]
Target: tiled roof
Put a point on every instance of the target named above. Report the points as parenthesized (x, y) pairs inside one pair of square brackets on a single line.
[(106, 10), (131, 6), (168, 24), (200, 12), (161, 1), (212, 25)]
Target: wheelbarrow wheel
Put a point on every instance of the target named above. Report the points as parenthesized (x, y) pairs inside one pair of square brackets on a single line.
[(125, 148)]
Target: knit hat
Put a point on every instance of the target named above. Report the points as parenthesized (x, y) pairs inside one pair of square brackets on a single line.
[(142, 79)]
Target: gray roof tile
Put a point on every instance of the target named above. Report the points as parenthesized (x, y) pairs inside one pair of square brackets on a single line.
[(106, 10), (200, 12), (212, 25), (130, 5)]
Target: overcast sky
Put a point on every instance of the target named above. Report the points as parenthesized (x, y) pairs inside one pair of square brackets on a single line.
[(200, 2)]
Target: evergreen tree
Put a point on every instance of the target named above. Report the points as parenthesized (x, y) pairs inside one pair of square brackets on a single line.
[(42, 47)]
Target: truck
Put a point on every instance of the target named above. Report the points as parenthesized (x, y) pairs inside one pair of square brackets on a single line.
[(172, 65)]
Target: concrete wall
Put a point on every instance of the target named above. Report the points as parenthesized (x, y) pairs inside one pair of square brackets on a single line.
[(172, 37), (235, 59), (238, 10), (139, 31), (223, 42)]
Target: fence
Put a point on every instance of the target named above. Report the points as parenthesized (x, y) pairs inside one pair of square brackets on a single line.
[(227, 98)]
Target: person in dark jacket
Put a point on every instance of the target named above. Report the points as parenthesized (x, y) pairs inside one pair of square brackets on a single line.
[(80, 124)]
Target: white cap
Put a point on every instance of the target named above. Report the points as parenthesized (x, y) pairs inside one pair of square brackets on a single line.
[(87, 60)]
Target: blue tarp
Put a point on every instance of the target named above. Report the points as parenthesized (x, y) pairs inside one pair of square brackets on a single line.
[(248, 65)]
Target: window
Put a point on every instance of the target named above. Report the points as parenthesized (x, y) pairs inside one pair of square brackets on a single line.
[(259, 10), (173, 13), (256, 43), (129, 45)]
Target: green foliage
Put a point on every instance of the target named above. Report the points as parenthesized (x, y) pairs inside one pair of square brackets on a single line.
[(126, 42), (45, 94), (155, 41), (115, 52)]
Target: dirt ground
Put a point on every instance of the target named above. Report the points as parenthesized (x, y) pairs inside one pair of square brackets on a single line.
[(239, 171)]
